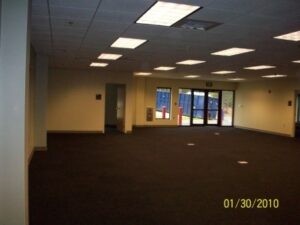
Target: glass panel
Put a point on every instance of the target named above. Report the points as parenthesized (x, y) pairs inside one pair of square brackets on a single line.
[(163, 99), (212, 107), (227, 108), (212, 116), (198, 117), (198, 107), (213, 100), (198, 102), (184, 107)]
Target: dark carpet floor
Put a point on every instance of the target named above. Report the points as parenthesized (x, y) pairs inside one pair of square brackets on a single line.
[(152, 177)]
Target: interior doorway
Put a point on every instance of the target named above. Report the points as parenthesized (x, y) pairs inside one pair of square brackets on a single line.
[(115, 95), (205, 107)]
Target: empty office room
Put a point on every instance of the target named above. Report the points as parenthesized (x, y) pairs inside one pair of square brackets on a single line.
[(143, 112)]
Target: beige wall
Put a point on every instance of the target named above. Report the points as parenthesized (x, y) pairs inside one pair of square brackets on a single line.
[(145, 96), (71, 99), (258, 109)]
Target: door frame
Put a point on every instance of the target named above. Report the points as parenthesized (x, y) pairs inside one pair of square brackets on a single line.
[(205, 109), (205, 106)]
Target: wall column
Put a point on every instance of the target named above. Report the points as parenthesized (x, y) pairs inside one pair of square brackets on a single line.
[(40, 105), (14, 69)]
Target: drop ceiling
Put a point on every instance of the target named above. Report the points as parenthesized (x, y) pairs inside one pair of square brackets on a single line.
[(75, 32)]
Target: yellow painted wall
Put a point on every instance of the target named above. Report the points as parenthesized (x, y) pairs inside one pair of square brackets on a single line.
[(71, 99), (263, 105)]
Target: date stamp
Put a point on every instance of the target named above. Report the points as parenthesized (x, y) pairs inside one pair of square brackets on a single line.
[(248, 203)]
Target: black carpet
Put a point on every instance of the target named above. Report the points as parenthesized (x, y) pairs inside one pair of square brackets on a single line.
[(152, 177)]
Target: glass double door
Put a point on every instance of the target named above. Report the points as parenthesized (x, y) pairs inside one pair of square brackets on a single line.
[(205, 107)]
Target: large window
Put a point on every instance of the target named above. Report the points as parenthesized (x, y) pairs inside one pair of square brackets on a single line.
[(163, 103), (227, 108)]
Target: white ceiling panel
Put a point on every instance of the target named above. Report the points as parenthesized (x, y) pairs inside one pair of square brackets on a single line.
[(238, 6), (136, 7), (115, 17), (71, 13), (76, 32), (88, 4)]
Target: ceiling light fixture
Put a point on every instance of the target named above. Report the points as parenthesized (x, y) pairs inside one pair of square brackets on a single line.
[(97, 64), (190, 62), (274, 76), (130, 43), (142, 74), (237, 79), (232, 51), (191, 76), (296, 61), (109, 56), (166, 13), (223, 72), (260, 67), (164, 68), (294, 36)]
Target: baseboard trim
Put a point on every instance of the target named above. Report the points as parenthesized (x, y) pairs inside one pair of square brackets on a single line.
[(264, 131), (73, 132), (40, 148), (162, 126)]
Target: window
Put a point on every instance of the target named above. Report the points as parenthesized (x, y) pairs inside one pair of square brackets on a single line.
[(184, 107), (163, 100), (227, 108)]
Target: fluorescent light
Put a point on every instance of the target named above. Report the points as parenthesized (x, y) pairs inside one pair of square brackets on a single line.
[(242, 162), (260, 67), (164, 68), (166, 13), (131, 43), (274, 76), (109, 56), (236, 79), (190, 62), (294, 36), (97, 64), (191, 76), (223, 72), (142, 73), (190, 144), (233, 51), (296, 61)]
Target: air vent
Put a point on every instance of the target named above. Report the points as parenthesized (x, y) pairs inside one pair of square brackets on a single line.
[(196, 24)]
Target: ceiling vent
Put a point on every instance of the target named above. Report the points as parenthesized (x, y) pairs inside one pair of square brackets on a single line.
[(196, 24)]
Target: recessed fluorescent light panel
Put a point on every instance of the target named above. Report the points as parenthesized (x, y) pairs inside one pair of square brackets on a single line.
[(236, 79), (130, 43), (109, 56), (233, 51), (142, 73), (166, 13), (261, 67), (190, 62), (296, 61), (96, 64), (294, 36), (223, 72), (164, 68), (191, 76), (274, 76)]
